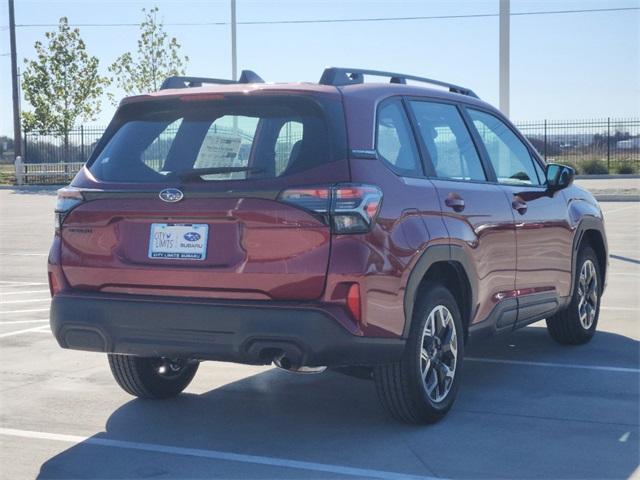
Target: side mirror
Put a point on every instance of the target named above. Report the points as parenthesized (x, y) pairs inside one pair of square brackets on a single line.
[(559, 176)]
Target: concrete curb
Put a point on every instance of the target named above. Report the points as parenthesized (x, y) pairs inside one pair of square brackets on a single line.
[(607, 176), (32, 188), (613, 197)]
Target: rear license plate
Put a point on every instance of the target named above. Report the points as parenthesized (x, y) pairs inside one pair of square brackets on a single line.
[(178, 241)]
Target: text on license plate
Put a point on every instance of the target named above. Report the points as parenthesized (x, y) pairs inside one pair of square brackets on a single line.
[(178, 241)]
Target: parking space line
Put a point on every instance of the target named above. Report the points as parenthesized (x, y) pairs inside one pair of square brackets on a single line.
[(620, 309), (215, 455), (20, 332), (14, 322), (12, 283), (621, 209), (3, 302), (25, 311), (553, 365), (23, 292), (25, 254)]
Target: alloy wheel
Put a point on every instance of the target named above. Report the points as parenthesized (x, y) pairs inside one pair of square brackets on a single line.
[(587, 294), (439, 353)]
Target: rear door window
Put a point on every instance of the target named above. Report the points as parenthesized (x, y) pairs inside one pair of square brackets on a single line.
[(448, 141), (231, 139)]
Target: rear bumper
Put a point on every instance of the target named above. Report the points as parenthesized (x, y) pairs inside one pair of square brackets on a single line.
[(242, 332)]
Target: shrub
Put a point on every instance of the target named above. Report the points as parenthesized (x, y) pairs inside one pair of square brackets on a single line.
[(593, 167), (572, 165), (627, 167)]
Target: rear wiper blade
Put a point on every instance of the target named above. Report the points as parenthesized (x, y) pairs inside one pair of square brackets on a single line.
[(198, 172)]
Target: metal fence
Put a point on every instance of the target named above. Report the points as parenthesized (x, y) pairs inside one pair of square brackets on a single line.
[(609, 145)]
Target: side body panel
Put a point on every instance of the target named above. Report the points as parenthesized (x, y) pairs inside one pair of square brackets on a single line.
[(484, 231), (382, 260), (481, 239)]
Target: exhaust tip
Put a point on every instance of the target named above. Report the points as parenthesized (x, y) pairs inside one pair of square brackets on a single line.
[(285, 363)]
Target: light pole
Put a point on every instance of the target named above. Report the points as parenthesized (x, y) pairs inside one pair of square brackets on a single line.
[(17, 132), (234, 53), (504, 55)]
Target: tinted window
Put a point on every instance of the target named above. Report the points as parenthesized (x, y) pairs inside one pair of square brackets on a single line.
[(395, 142), (508, 154), (448, 141), (221, 140), (288, 144)]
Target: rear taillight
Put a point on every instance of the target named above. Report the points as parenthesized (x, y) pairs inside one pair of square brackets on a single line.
[(351, 208), (68, 198)]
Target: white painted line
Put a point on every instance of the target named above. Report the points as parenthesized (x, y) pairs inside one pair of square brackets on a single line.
[(23, 292), (619, 309), (553, 365), (621, 209), (215, 455), (26, 254), (3, 302), (14, 322), (11, 283), (25, 311), (19, 332)]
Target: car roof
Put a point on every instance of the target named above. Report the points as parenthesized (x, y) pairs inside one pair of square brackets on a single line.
[(372, 91)]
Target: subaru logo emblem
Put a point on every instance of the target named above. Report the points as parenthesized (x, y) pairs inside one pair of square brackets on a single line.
[(171, 195), (191, 236)]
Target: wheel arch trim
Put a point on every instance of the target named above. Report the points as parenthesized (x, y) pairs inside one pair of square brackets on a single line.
[(432, 255), (586, 225)]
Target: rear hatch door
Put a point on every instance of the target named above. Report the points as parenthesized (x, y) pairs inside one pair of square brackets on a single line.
[(181, 199)]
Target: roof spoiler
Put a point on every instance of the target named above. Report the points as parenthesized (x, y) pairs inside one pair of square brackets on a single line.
[(247, 76), (339, 76)]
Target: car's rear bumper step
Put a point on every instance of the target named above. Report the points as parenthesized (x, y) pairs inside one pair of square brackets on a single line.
[(243, 332)]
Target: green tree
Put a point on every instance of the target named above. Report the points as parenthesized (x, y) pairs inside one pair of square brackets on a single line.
[(62, 84), (158, 57)]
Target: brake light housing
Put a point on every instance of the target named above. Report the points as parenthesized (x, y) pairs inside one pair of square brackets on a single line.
[(348, 208), (68, 199)]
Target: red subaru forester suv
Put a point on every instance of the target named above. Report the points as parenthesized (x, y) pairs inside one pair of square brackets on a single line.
[(372, 228)]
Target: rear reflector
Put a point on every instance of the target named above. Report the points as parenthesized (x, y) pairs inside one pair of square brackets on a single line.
[(54, 287), (352, 208), (353, 301)]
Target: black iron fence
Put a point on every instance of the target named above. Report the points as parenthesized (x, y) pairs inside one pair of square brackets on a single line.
[(609, 145), (52, 147)]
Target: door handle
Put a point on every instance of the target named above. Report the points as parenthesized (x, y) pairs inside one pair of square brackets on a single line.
[(455, 201), (519, 205)]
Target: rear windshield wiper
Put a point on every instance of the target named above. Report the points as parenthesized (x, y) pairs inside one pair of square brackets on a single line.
[(198, 172)]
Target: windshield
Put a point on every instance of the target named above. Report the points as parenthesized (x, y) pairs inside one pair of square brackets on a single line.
[(231, 139)]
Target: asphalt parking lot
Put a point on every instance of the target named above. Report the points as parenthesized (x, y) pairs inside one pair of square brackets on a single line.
[(527, 407)]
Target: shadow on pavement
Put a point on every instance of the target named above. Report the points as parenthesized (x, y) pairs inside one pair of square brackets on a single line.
[(510, 421)]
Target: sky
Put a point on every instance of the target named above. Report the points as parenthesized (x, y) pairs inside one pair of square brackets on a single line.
[(563, 66)]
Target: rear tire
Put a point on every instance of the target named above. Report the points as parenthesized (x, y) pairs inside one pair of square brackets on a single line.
[(151, 377), (422, 386), (577, 324)]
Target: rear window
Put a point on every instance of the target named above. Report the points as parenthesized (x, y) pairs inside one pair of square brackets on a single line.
[(230, 139)]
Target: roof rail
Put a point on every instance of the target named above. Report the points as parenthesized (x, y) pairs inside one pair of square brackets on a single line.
[(247, 76), (338, 76)]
